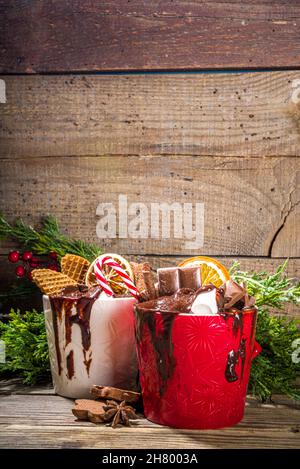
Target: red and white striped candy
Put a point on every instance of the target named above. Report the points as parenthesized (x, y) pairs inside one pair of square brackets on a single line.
[(98, 270)]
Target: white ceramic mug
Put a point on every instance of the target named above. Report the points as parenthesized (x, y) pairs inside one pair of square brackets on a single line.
[(111, 355)]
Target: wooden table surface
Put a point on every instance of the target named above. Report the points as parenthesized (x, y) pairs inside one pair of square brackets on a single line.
[(37, 418)]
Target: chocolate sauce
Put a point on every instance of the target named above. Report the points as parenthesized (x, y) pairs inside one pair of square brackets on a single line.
[(242, 355), (233, 356), (230, 372), (161, 341), (87, 360), (232, 361), (234, 293), (55, 317), (237, 324), (70, 364), (80, 299)]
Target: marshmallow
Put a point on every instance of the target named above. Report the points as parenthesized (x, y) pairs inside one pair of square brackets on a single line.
[(205, 303)]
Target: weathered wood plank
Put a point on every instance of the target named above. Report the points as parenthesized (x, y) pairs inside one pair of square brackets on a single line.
[(248, 114), (246, 201), (15, 386), (118, 35), (47, 422)]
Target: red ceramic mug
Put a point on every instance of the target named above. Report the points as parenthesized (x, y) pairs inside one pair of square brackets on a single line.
[(194, 370)]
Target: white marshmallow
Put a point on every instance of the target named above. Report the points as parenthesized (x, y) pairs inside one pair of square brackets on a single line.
[(205, 304)]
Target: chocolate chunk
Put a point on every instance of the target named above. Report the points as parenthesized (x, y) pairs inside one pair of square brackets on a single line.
[(190, 277), (233, 293), (168, 280)]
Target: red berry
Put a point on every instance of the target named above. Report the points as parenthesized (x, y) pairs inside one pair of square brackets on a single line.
[(20, 271), (34, 262), (53, 255), (27, 255), (53, 267), (29, 275), (13, 256)]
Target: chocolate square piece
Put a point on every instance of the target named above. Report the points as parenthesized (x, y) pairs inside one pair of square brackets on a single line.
[(168, 280), (190, 277)]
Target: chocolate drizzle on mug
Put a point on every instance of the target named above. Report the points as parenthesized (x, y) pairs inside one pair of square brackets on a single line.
[(237, 324), (242, 355), (55, 317), (79, 299), (70, 364), (233, 356), (232, 361), (161, 341), (230, 372)]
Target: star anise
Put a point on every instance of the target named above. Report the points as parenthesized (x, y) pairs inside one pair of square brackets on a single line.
[(116, 413)]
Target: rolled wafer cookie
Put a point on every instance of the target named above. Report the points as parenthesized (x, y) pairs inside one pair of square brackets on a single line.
[(142, 278), (75, 267), (150, 291), (51, 282)]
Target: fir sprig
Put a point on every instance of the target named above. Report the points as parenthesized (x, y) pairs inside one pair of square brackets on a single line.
[(273, 370), (269, 290), (48, 238), (26, 346), (23, 288)]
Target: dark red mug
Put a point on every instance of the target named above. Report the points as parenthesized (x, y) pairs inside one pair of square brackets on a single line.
[(194, 370)]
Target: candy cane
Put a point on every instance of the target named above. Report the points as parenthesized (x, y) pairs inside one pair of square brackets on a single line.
[(102, 280), (98, 270)]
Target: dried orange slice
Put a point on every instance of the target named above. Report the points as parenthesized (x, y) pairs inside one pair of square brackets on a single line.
[(211, 270), (114, 280)]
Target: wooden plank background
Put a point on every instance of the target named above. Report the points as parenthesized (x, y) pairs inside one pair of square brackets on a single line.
[(224, 114), (164, 142), (115, 35)]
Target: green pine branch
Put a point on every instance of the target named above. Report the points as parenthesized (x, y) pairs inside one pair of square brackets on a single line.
[(26, 346), (273, 371), (48, 238)]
